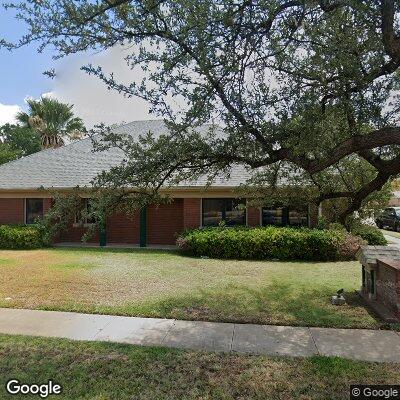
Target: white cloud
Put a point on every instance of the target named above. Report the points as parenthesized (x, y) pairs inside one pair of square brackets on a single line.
[(90, 97), (8, 113), (48, 94)]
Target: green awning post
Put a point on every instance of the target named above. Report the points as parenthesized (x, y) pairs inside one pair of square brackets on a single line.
[(103, 234), (143, 227)]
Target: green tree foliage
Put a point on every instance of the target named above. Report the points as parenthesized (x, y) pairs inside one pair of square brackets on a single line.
[(23, 140), (52, 121), (305, 91), (7, 153)]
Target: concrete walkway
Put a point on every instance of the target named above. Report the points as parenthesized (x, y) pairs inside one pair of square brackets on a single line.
[(357, 344)]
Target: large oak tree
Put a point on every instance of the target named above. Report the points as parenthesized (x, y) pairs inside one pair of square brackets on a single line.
[(304, 90)]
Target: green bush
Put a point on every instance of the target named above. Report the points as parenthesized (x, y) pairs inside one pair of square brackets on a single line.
[(270, 243), (336, 226), (371, 234), (322, 223), (20, 237)]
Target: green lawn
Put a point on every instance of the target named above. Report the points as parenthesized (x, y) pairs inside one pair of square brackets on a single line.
[(105, 371), (166, 284)]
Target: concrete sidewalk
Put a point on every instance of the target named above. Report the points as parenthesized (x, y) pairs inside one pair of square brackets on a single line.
[(357, 344)]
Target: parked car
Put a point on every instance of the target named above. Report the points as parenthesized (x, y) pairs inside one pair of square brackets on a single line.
[(390, 218)]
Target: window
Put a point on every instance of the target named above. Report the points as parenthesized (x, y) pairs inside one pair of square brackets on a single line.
[(84, 216), (298, 216), (212, 212), (231, 211), (389, 212), (285, 216), (235, 212), (33, 210), (273, 216)]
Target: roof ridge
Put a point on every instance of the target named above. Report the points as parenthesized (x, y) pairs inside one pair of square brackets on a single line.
[(73, 142), (76, 164)]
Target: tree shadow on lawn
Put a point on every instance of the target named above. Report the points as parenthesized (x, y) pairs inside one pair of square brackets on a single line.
[(278, 303)]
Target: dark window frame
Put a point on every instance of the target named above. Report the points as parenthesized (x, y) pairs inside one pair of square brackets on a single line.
[(85, 222), (27, 200), (285, 215), (223, 210)]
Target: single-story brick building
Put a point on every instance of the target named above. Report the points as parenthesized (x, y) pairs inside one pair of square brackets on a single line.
[(22, 198)]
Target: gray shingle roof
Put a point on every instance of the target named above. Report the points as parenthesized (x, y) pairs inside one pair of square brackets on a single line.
[(76, 164)]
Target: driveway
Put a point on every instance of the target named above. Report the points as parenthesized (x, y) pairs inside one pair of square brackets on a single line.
[(393, 241)]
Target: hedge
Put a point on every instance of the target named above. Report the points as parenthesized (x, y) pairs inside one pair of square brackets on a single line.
[(371, 234), (270, 243), (20, 237)]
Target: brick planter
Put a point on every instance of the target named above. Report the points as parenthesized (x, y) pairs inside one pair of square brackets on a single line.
[(381, 280)]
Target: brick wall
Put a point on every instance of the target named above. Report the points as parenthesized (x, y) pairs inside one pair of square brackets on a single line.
[(388, 286), (12, 211), (74, 235), (191, 213), (313, 215), (123, 229), (164, 222), (47, 203), (253, 216)]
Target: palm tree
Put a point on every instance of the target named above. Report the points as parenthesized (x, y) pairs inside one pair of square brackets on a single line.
[(52, 120)]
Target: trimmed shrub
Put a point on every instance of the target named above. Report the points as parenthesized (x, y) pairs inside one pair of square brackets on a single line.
[(270, 243), (20, 237), (371, 234), (337, 226)]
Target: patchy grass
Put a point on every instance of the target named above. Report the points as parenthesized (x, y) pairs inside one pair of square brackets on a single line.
[(391, 233), (166, 284), (105, 371)]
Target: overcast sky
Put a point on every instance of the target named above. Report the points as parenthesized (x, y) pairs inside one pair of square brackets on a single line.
[(93, 101), (21, 77)]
